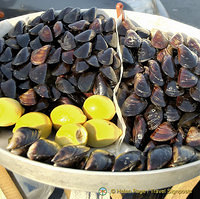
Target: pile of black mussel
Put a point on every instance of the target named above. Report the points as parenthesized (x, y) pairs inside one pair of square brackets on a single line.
[(66, 57), (59, 58)]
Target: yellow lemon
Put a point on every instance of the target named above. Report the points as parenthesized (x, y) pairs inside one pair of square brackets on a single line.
[(66, 114), (99, 107), (71, 134), (10, 111), (36, 120), (101, 133)]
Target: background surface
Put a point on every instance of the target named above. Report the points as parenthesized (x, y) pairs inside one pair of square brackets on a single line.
[(186, 11)]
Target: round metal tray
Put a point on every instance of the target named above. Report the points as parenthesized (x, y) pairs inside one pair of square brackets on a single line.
[(90, 180)]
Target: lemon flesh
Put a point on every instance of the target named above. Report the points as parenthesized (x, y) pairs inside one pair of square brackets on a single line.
[(71, 134), (101, 133), (36, 120), (10, 111), (99, 107), (67, 114)]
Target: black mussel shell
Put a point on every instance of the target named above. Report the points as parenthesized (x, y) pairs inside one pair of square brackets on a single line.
[(78, 25), (45, 34), (28, 98), (131, 70), (83, 51), (35, 44), (158, 157), (110, 25), (173, 90), (141, 86), (58, 29), (133, 105), (36, 29), (148, 147), (195, 92), (159, 40), (109, 73), (172, 114), (185, 103), (42, 150), (132, 39), (153, 116), (100, 43), (146, 51), (188, 119), (22, 72), (55, 94), (41, 105), (127, 55), (61, 69), (90, 14), (70, 155), (158, 96), (182, 155), (9, 88), (26, 85), (163, 133), (164, 52), (93, 61), (116, 61), (122, 93), (48, 15), (72, 16), (23, 40), (22, 56), (139, 132), (22, 139), (63, 13), (106, 57), (143, 33), (35, 21), (86, 81), (176, 40), (42, 90), (17, 30), (127, 161), (68, 42), (197, 68), (7, 70), (101, 87), (38, 74), (39, 56), (2, 44), (80, 66), (6, 56), (168, 66), (55, 57), (96, 25), (186, 57), (100, 160), (85, 36), (111, 39), (68, 57), (64, 86), (193, 137), (12, 43), (193, 45)]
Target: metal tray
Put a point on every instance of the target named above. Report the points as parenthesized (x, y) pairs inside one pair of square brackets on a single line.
[(90, 180)]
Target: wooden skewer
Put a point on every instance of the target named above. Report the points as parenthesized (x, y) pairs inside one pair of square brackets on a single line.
[(7, 186)]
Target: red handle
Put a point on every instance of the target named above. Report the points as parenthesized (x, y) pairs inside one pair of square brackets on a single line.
[(119, 9)]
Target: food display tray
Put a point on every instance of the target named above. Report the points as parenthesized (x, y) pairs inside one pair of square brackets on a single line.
[(91, 181)]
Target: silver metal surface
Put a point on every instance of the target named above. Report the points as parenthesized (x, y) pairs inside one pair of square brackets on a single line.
[(89, 180)]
